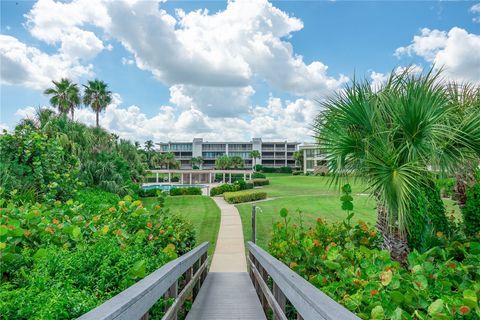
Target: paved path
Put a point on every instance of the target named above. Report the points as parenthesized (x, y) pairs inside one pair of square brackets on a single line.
[(229, 253), (228, 292)]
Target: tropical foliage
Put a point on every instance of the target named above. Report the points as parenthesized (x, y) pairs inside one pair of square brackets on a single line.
[(392, 137), (344, 261), (65, 96), (229, 162), (97, 96), (244, 196)]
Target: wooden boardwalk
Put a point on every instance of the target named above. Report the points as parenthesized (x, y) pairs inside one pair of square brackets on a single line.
[(227, 295)]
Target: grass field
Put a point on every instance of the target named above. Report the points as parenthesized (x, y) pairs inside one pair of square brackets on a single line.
[(315, 197), (201, 211)]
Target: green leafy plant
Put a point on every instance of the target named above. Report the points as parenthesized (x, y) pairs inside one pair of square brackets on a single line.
[(186, 191), (244, 196)]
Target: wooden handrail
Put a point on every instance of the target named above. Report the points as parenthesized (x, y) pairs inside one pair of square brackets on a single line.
[(136, 301), (309, 302)]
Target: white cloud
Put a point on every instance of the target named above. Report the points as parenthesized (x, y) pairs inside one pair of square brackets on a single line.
[(126, 61), (277, 119), (457, 51), (475, 9), (28, 66), (194, 48), (213, 101), (57, 22)]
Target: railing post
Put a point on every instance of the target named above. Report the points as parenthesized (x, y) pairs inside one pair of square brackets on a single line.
[(280, 297), (263, 299), (254, 235), (172, 293)]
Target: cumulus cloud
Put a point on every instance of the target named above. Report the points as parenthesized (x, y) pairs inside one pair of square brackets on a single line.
[(28, 66), (456, 51), (276, 119)]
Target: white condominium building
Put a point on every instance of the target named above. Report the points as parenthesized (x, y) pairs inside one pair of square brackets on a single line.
[(273, 154)]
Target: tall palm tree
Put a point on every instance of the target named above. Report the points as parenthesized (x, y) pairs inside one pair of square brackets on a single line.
[(196, 162), (255, 154), (223, 162), (298, 156), (237, 162), (65, 96), (97, 96), (391, 138), (149, 150)]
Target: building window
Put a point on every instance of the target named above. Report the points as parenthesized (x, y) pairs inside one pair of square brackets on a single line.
[(310, 164)]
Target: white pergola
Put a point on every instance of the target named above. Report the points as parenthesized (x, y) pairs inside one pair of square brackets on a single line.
[(202, 176)]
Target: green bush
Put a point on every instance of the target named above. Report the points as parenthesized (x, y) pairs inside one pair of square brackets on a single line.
[(258, 167), (191, 191), (259, 182), (471, 211), (277, 170), (297, 173), (258, 175), (223, 188), (244, 185), (95, 201), (427, 217), (148, 192), (446, 186), (343, 261), (244, 196), (64, 258)]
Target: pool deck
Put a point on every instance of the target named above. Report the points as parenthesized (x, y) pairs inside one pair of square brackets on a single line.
[(204, 186)]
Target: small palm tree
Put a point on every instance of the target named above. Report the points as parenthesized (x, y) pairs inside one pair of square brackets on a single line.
[(255, 154), (65, 96), (391, 138), (237, 162), (196, 162), (97, 96), (149, 151), (223, 162), (298, 156)]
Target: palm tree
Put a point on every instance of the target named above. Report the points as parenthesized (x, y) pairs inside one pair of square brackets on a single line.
[(391, 138), (149, 150), (237, 162), (298, 156), (65, 96), (97, 96), (223, 162), (255, 154), (196, 162)]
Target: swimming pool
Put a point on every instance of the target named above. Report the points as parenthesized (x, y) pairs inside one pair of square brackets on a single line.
[(167, 187)]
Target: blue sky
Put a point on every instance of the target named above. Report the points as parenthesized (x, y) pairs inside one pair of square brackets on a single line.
[(242, 69)]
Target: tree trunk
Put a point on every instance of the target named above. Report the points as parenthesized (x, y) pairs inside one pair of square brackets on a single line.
[(393, 240), (97, 121), (72, 110)]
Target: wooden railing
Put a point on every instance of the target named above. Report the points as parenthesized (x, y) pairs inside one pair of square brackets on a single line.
[(308, 301), (136, 301)]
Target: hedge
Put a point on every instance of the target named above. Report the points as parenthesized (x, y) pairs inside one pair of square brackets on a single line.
[(223, 188), (277, 170), (148, 192), (258, 175), (244, 196), (192, 191), (259, 182)]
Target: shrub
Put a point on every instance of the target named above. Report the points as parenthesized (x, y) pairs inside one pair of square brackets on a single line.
[(446, 186), (297, 173), (148, 192), (471, 211), (258, 175), (258, 167), (260, 182), (186, 191), (223, 188), (343, 261), (244, 185), (277, 170), (81, 255), (244, 196), (96, 200)]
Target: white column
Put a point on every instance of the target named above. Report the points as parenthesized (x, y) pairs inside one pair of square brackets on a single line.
[(190, 178), (169, 177), (244, 176), (210, 177), (304, 161), (223, 178), (156, 174), (230, 177), (181, 178)]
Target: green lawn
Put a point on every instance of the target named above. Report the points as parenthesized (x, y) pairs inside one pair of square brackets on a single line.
[(200, 210), (287, 185), (312, 207)]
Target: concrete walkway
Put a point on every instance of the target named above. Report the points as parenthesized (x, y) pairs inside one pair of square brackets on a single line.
[(228, 292), (229, 253)]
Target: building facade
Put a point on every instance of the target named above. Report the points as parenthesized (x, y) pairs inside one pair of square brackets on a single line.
[(273, 154), (313, 160)]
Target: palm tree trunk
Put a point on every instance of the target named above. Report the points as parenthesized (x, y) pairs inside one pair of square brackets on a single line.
[(97, 119), (393, 241), (72, 111)]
